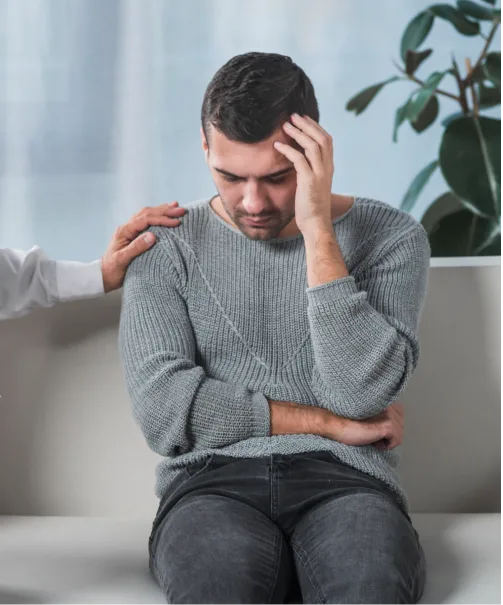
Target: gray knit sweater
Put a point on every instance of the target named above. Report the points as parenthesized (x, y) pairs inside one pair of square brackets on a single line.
[(213, 322)]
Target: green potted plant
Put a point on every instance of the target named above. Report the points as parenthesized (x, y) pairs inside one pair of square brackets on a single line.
[(466, 219)]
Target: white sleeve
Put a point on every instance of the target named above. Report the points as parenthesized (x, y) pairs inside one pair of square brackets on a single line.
[(29, 280)]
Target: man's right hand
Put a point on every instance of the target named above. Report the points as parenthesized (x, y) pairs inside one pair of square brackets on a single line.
[(385, 430)]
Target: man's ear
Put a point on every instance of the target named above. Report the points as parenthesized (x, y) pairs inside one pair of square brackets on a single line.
[(204, 143)]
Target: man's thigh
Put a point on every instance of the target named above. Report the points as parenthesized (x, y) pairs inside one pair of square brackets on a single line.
[(209, 547), (212, 549), (358, 548)]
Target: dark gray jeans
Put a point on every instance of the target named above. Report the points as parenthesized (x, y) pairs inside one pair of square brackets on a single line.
[(299, 528)]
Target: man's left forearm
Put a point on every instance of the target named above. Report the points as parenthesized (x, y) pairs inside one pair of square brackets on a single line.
[(324, 259)]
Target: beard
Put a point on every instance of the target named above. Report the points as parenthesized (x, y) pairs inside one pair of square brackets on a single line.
[(276, 222)]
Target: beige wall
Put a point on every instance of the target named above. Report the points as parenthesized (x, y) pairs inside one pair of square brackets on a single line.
[(69, 446)]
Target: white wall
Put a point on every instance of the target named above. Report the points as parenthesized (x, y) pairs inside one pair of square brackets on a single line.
[(100, 103), (69, 446)]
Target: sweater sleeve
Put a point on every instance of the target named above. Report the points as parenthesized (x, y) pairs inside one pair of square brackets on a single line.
[(178, 408), (364, 329)]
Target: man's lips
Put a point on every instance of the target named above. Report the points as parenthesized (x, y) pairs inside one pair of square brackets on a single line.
[(257, 223)]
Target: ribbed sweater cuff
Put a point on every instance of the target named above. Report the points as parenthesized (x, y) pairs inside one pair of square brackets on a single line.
[(261, 416), (343, 287)]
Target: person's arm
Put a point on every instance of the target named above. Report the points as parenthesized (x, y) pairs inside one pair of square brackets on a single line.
[(29, 280), (385, 430), (290, 418), (364, 333), (177, 406)]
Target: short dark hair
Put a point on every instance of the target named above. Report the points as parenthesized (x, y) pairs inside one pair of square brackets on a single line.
[(253, 94)]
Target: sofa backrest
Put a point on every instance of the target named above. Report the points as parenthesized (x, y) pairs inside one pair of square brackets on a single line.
[(69, 444)]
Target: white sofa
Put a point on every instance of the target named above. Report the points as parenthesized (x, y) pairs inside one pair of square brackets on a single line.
[(104, 560), (77, 501)]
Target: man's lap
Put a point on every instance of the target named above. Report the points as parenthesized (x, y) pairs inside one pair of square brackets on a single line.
[(329, 514)]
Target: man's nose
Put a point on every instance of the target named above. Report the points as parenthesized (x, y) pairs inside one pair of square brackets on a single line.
[(254, 200)]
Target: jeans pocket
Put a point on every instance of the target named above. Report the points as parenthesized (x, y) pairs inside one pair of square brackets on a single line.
[(193, 469), (379, 483), (169, 498)]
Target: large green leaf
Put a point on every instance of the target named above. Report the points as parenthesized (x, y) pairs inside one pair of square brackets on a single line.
[(460, 234), (417, 186), (492, 243), (492, 67), (457, 18), (496, 11), (475, 10), (415, 33), (463, 155), (492, 249), (414, 59), (427, 116), (450, 118), (489, 96), (425, 94), (361, 101), (446, 204)]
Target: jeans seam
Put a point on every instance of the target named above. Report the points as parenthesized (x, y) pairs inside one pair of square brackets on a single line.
[(303, 558), (277, 552), (272, 481), (160, 579), (415, 588)]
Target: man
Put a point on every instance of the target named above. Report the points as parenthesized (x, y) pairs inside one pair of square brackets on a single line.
[(265, 342), (29, 279)]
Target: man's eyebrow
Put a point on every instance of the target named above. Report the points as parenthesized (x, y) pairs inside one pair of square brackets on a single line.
[(267, 176)]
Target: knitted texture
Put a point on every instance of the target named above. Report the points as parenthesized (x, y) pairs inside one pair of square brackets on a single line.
[(213, 322)]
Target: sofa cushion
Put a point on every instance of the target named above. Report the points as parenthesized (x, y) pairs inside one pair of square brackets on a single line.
[(105, 560)]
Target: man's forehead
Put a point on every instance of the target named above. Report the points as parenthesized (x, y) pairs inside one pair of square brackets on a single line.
[(256, 160)]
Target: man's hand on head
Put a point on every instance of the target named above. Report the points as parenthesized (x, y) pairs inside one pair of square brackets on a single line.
[(314, 164), (313, 198), (127, 243)]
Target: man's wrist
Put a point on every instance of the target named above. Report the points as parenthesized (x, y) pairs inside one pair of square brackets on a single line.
[(317, 227), (324, 259)]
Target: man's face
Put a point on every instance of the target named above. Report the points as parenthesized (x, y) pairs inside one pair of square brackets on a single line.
[(249, 187)]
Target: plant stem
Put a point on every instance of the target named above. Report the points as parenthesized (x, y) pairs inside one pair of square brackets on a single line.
[(438, 91), (418, 81), (483, 54), (472, 89), (462, 89)]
